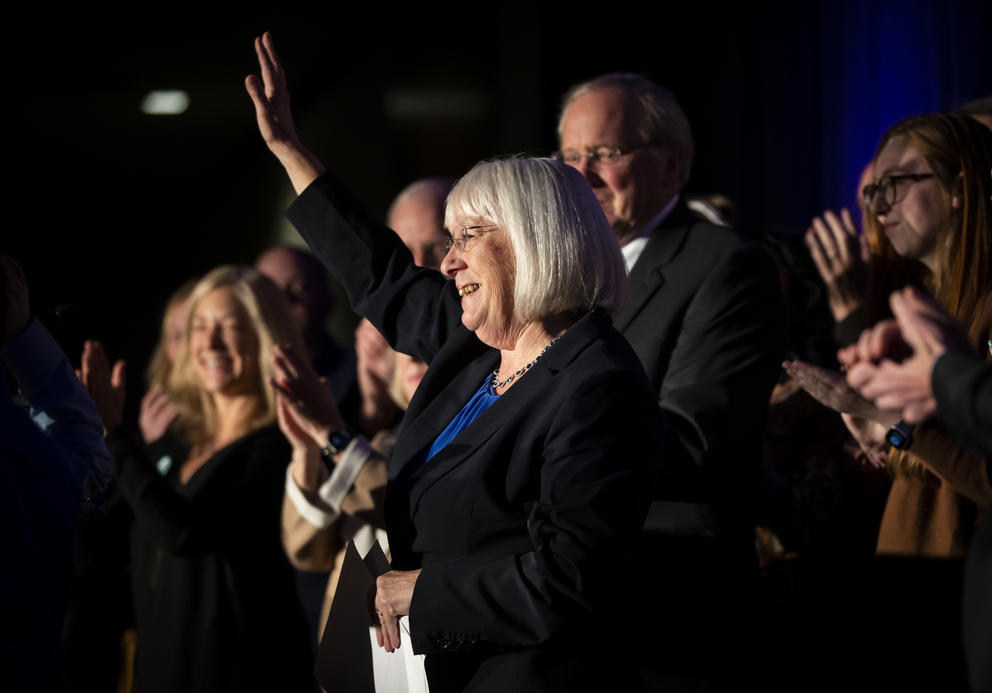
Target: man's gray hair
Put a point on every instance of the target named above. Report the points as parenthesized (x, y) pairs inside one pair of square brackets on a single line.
[(566, 255), (661, 118)]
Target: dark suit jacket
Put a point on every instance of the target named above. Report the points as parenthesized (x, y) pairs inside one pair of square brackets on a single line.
[(706, 318), (523, 524)]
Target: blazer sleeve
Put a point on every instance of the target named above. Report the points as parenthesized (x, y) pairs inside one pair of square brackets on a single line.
[(963, 388), (236, 507), (595, 482), (356, 487), (414, 308), (727, 357), (307, 546)]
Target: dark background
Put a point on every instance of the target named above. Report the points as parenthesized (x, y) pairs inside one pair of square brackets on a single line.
[(110, 209)]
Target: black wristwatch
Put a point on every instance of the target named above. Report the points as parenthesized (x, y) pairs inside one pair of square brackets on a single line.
[(336, 442), (900, 435)]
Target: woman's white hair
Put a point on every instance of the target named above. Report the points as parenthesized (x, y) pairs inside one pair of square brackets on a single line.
[(567, 256)]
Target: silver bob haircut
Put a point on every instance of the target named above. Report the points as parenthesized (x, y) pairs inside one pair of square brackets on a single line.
[(567, 256), (661, 118)]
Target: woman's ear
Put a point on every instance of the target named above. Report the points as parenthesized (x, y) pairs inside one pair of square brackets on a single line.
[(957, 191)]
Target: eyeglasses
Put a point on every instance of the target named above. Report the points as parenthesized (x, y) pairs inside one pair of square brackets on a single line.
[(891, 188), (463, 240), (605, 156)]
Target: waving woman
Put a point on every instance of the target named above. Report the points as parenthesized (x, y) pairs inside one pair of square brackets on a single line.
[(523, 469)]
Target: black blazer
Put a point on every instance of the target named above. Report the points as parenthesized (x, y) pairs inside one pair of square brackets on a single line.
[(523, 525), (706, 318)]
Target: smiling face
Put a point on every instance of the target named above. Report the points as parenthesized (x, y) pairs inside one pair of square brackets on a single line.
[(633, 191), (223, 345), (920, 213), (484, 275)]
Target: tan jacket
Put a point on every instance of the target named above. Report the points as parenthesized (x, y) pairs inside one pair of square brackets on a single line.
[(934, 515), (359, 518)]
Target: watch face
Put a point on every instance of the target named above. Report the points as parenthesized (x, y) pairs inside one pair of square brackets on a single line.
[(340, 439), (896, 439)]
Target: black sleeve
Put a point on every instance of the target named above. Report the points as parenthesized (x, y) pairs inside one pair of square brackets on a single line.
[(963, 387), (227, 511), (714, 396), (414, 308)]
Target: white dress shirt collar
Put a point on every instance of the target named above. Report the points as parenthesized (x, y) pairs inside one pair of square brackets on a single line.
[(634, 247)]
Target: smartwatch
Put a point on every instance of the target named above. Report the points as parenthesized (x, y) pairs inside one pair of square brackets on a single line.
[(900, 435), (336, 442)]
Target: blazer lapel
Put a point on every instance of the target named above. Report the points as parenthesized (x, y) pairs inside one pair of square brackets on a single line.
[(501, 412), (440, 397), (647, 276)]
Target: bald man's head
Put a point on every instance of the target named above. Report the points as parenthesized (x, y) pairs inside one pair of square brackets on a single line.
[(417, 216), (304, 282)]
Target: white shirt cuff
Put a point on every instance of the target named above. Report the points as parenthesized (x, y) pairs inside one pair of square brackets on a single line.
[(332, 492)]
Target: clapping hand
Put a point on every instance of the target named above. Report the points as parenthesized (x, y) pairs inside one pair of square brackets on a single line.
[(841, 257), (376, 361), (305, 396), (892, 363), (157, 412), (105, 385), (14, 312), (866, 422)]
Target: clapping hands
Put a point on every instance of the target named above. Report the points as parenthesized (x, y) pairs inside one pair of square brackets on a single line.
[(892, 363)]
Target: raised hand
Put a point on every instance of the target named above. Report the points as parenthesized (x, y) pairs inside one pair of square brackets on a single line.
[(275, 119), (271, 96), (157, 412), (105, 386), (841, 257)]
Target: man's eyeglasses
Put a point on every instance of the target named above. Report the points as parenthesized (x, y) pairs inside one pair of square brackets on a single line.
[(462, 241), (605, 156), (891, 188)]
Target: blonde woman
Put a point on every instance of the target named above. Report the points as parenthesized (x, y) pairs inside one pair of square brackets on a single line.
[(215, 603)]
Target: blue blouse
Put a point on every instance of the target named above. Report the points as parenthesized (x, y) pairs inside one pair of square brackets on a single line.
[(480, 401)]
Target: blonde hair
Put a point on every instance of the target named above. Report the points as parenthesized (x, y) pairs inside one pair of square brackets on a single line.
[(269, 314), (159, 367), (567, 257)]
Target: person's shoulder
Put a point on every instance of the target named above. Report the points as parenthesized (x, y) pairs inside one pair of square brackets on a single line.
[(714, 239), (694, 245), (605, 353)]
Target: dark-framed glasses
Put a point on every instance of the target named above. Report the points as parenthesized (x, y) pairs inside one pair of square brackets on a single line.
[(891, 188), (604, 156), (462, 241)]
